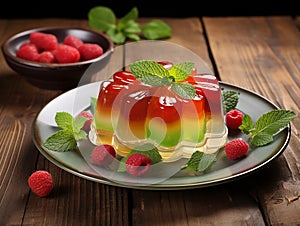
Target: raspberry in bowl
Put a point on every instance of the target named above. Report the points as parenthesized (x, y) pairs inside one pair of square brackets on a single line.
[(56, 58)]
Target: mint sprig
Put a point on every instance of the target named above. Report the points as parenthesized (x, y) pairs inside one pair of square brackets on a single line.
[(154, 74), (230, 99), (266, 126), (65, 139), (200, 161), (103, 18)]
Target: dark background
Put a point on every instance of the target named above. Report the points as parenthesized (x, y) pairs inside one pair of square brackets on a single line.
[(147, 8)]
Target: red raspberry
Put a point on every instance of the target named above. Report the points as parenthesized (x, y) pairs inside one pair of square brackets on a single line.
[(89, 116), (46, 57), (66, 54), (72, 40), (43, 41), (24, 44), (41, 183), (28, 51), (236, 148), (234, 119), (103, 155), (138, 164), (90, 51)]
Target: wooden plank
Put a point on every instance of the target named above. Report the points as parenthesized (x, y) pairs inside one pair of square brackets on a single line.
[(220, 205), (263, 55)]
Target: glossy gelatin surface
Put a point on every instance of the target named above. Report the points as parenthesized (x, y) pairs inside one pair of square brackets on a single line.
[(130, 113)]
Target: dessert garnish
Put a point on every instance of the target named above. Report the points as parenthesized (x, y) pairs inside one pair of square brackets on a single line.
[(230, 99), (233, 118), (270, 123), (138, 164), (71, 131), (200, 162), (148, 150), (236, 148), (154, 74)]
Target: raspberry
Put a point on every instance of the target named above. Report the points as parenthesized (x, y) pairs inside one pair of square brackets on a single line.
[(43, 41), (90, 51), (28, 51), (87, 123), (46, 57), (138, 164), (103, 155), (236, 148), (66, 54), (72, 40), (41, 183), (234, 119), (24, 44)]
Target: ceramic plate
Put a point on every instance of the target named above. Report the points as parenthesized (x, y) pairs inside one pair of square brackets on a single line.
[(224, 170)]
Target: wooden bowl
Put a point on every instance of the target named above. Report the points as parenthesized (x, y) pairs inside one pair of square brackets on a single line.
[(55, 76)]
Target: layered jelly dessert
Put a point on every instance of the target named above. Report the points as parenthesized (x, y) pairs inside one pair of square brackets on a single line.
[(130, 113)]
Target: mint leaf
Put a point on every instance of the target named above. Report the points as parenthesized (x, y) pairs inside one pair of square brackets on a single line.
[(93, 102), (147, 149), (122, 165), (154, 80), (134, 37), (146, 67), (247, 124), (181, 71), (193, 162), (261, 139), (185, 90), (80, 135), (269, 124), (207, 161), (131, 27), (64, 120), (116, 36), (156, 29), (101, 18), (78, 123), (230, 100), (200, 161), (65, 139), (62, 140), (132, 15)]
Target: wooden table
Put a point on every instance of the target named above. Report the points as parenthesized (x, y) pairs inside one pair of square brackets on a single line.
[(258, 53)]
